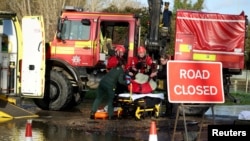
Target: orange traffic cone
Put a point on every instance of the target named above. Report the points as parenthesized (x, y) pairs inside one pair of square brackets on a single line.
[(152, 132), (28, 132)]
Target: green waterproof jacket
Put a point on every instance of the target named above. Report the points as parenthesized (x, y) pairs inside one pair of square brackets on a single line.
[(114, 76)]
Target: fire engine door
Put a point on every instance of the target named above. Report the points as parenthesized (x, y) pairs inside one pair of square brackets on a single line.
[(33, 62)]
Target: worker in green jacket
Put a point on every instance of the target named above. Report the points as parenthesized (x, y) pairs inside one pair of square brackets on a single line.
[(107, 87)]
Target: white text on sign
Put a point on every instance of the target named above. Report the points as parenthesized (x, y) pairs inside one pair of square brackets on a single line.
[(194, 74), (191, 74)]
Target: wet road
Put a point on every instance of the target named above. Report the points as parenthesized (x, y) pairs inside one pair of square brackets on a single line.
[(75, 125), (15, 131)]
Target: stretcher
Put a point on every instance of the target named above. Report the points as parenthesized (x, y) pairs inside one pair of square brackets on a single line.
[(139, 104)]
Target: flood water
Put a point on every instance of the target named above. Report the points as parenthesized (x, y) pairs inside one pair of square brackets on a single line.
[(230, 111), (14, 130)]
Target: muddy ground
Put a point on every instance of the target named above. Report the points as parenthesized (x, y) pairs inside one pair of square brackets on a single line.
[(78, 118)]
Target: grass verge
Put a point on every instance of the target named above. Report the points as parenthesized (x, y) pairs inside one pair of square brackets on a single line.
[(242, 98)]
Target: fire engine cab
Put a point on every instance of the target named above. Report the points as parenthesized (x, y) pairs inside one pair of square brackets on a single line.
[(80, 48)]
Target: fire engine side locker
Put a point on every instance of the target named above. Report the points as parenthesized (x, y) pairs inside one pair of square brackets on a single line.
[(8, 55)]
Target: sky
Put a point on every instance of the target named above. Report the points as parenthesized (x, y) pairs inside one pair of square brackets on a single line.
[(219, 6)]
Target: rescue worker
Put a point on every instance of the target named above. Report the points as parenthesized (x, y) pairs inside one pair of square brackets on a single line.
[(107, 87), (167, 14), (166, 27), (114, 59), (162, 75), (142, 63)]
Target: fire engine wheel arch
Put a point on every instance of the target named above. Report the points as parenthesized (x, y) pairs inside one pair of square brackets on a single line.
[(72, 75), (58, 92)]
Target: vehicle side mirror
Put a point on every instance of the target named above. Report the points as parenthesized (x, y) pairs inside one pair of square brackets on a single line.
[(85, 22), (58, 35), (59, 28)]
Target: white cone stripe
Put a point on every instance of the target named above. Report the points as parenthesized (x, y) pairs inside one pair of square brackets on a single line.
[(153, 138), (28, 139)]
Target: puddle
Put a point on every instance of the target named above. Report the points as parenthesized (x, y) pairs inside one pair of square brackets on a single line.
[(15, 131), (229, 111)]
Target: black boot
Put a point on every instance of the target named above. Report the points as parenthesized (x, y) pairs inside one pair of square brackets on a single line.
[(112, 117), (172, 116), (168, 111), (92, 115)]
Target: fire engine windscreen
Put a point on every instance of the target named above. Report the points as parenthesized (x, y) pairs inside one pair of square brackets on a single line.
[(75, 30)]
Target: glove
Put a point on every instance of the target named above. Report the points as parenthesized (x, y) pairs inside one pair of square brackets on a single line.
[(128, 79)]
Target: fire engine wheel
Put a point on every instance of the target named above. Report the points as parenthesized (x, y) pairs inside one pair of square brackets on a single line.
[(58, 92), (193, 111)]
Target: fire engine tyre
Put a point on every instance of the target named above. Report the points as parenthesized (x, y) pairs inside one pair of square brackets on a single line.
[(58, 92), (193, 111)]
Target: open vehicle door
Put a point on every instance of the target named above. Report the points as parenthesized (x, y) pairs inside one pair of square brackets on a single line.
[(33, 63)]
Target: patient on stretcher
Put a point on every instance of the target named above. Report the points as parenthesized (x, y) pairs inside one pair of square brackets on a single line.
[(140, 99), (142, 84)]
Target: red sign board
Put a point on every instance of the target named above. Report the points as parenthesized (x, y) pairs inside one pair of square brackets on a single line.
[(195, 82)]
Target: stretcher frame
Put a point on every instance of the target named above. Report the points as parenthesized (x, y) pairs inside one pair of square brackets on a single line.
[(140, 106)]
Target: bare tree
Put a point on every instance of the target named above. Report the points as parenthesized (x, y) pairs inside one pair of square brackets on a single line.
[(95, 5), (28, 7), (121, 4), (18, 6), (3, 5), (50, 9), (99, 5)]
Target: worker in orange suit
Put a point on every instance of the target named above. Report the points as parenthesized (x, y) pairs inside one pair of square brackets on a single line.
[(142, 63)]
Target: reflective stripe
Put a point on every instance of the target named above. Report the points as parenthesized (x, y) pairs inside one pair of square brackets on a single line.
[(204, 57), (83, 44), (131, 46), (63, 50), (185, 47), (219, 52)]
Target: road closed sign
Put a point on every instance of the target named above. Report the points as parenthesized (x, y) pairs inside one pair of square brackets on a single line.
[(195, 82)]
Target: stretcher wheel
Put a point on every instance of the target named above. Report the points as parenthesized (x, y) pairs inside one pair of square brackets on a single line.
[(138, 113), (157, 110), (119, 113)]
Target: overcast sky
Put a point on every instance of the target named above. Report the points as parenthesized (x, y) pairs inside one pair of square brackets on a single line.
[(219, 6)]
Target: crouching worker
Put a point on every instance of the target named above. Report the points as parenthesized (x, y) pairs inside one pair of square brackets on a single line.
[(107, 87), (171, 108)]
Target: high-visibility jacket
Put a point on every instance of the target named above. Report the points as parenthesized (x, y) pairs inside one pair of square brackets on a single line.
[(112, 62), (141, 64)]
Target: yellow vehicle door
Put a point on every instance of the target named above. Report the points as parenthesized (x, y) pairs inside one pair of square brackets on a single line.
[(33, 62)]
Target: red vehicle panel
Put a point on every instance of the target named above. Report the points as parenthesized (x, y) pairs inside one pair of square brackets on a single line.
[(210, 37), (85, 48)]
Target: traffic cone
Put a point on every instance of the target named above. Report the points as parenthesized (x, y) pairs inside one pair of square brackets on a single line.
[(28, 132), (152, 132)]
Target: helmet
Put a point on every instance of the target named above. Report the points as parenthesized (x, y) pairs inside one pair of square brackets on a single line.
[(141, 49), (120, 48)]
